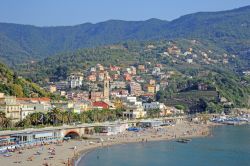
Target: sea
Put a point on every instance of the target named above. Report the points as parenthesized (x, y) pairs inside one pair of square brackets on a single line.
[(227, 146)]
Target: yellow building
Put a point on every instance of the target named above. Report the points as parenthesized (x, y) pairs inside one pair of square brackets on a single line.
[(118, 103), (151, 89), (10, 107), (52, 88)]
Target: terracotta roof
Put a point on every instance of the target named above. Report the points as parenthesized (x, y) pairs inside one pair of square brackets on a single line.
[(101, 104)]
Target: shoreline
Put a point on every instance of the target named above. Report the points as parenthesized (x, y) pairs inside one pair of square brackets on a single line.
[(84, 152), (73, 151)]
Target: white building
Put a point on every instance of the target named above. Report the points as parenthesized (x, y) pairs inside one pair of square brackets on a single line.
[(134, 108), (75, 80), (156, 71), (113, 129), (29, 106), (189, 61), (154, 105), (118, 85), (150, 123), (61, 85)]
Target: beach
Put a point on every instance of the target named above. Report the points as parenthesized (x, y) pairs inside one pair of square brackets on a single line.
[(68, 152)]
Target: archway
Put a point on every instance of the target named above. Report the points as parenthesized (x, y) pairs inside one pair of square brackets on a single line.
[(72, 135)]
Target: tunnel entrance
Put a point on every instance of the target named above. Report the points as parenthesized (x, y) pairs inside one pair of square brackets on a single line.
[(72, 135)]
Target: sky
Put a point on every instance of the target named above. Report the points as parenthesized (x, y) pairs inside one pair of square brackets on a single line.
[(73, 12)]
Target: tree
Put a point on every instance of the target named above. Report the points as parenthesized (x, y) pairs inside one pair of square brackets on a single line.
[(36, 118), (160, 96), (55, 116), (4, 121), (180, 107), (154, 113)]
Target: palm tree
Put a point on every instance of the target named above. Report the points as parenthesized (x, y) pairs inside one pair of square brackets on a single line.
[(83, 117), (24, 123), (2, 116), (55, 116), (7, 123), (69, 116), (36, 118), (4, 121)]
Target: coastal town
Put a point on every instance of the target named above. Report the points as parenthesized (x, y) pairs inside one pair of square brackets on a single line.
[(100, 106), (127, 83), (99, 89)]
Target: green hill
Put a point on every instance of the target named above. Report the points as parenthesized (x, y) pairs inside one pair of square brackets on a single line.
[(227, 29), (11, 84), (210, 69)]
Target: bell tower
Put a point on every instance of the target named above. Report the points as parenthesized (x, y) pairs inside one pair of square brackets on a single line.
[(106, 87)]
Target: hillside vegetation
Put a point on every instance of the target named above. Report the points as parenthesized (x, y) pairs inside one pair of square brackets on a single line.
[(24, 43), (208, 67), (11, 84)]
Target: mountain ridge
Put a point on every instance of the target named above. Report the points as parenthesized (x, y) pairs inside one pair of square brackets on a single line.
[(24, 43)]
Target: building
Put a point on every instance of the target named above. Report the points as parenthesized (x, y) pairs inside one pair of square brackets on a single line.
[(114, 68), (128, 70), (77, 106), (150, 88), (247, 73), (100, 67), (152, 82), (156, 71), (119, 92), (113, 129), (101, 76), (133, 70), (150, 123), (37, 137), (92, 69), (202, 87), (92, 77), (139, 79), (225, 61), (174, 50), (190, 61), (31, 105), (154, 105), (106, 88), (135, 89), (12, 109), (115, 76), (133, 108), (75, 80), (157, 87), (127, 77), (118, 85), (141, 68), (96, 96), (61, 85), (100, 105), (52, 88), (163, 84)]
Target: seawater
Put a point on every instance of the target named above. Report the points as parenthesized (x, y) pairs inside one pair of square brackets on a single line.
[(228, 146)]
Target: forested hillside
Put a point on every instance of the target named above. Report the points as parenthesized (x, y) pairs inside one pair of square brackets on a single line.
[(210, 65), (11, 84), (23, 43)]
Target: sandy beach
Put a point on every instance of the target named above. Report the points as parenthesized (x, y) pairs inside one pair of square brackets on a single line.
[(65, 153)]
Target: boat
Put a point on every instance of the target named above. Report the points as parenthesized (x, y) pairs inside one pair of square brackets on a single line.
[(183, 140)]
